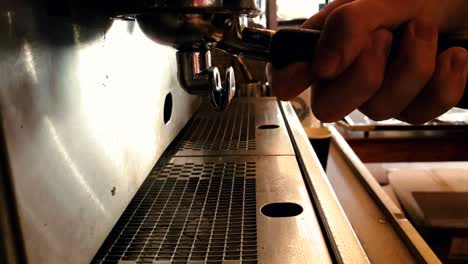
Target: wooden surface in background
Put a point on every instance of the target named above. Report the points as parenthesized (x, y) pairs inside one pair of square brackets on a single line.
[(409, 146)]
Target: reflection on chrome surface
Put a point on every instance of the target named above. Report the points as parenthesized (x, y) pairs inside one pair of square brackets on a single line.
[(82, 109)]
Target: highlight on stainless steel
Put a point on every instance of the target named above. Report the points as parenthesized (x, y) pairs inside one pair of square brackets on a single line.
[(222, 97), (215, 88), (230, 82), (344, 242)]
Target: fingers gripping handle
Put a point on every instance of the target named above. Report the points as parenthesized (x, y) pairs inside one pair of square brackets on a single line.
[(293, 45), (446, 42), (298, 45)]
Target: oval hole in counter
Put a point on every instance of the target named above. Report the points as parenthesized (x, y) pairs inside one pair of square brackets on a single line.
[(268, 126), (281, 210)]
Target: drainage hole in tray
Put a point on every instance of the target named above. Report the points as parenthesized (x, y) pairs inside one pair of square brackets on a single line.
[(281, 210)]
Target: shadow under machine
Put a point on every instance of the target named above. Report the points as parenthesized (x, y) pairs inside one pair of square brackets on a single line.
[(125, 141)]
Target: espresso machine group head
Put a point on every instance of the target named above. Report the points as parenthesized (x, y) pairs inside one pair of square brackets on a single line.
[(194, 27)]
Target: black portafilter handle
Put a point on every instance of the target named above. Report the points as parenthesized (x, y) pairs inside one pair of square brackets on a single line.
[(297, 45)]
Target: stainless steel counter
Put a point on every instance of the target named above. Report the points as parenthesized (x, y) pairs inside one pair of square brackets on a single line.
[(241, 199)]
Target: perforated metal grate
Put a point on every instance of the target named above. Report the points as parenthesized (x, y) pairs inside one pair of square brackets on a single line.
[(188, 213), (233, 129)]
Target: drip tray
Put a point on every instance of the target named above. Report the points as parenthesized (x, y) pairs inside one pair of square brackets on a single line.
[(207, 208), (247, 127)]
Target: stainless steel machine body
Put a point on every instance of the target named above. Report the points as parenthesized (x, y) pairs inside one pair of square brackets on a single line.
[(82, 106)]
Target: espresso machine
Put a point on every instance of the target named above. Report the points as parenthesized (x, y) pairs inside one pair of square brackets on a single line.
[(123, 142)]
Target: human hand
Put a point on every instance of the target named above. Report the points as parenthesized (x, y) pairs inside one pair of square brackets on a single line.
[(351, 68)]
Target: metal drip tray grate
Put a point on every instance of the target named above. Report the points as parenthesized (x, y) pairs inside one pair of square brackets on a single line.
[(233, 129), (189, 213), (248, 127)]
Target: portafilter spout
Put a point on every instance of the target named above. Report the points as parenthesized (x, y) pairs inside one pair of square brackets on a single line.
[(193, 35)]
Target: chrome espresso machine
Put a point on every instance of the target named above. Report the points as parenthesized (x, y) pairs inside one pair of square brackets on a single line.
[(123, 141)]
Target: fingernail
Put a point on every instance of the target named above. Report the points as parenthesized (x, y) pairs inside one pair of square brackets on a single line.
[(423, 30), (458, 62), (326, 63)]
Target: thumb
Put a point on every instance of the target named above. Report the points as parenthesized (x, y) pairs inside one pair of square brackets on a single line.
[(348, 27)]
